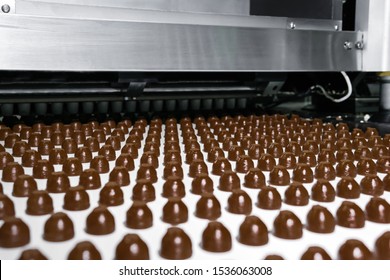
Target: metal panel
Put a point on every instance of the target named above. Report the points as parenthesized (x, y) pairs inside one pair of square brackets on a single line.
[(34, 43), (373, 19), (236, 7)]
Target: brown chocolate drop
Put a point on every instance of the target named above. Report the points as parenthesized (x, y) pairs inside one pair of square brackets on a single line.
[(144, 191), (24, 186), (235, 152), (76, 199), (279, 176), (372, 185), (57, 138), (382, 247), (354, 249), (320, 220), (84, 154), (139, 216), (363, 152), (208, 207), (29, 158), (100, 164), (255, 151), (39, 203), (288, 160), (287, 226), (327, 155), (10, 140), (202, 183), (175, 211), (229, 181), (90, 179), (378, 210), (220, 166), (58, 228), (244, 164), (12, 171), (132, 247), (197, 167), (383, 165), (131, 149), (5, 158), (72, 167), (296, 195), (57, 156), (108, 152), (57, 182), (114, 142), (315, 253), (193, 154), (173, 187), (294, 148), (253, 232), (176, 245), (125, 160), (266, 162), (173, 169), (216, 238), (380, 151), (42, 169), (273, 258), (269, 199), (366, 166), (20, 148), (14, 233), (111, 195), (255, 179), (348, 188), (84, 251), (120, 175), (32, 254), (275, 149), (350, 215), (308, 157), (92, 144), (100, 221), (148, 172), (150, 158), (45, 146), (239, 202), (325, 170), (303, 173), (7, 208), (34, 139), (323, 191)]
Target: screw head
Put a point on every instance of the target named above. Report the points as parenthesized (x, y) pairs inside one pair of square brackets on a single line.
[(347, 45), (292, 25), (359, 45), (336, 27), (6, 8)]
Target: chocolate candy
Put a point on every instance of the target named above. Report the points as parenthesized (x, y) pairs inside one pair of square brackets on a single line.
[(315, 253), (350, 215), (320, 220), (132, 247), (139, 216), (288, 160), (14, 233), (59, 227), (274, 258), (269, 199), (5, 158), (12, 171), (255, 179), (287, 226), (303, 173), (90, 179), (202, 184), (42, 169), (120, 175), (32, 254), (196, 167), (354, 249), (255, 151), (208, 207), (216, 238), (275, 149), (308, 157), (382, 247), (348, 188), (45, 146), (111, 195), (279, 176), (220, 166), (239, 202), (366, 166), (323, 191), (100, 221), (378, 210), (92, 144), (296, 194), (327, 155), (244, 164), (57, 182), (148, 172), (144, 191), (7, 208), (57, 156), (84, 154), (346, 168), (72, 167), (19, 148), (24, 185), (84, 251), (253, 232), (372, 185), (39, 203), (108, 152), (76, 199), (100, 164), (173, 169), (125, 160), (29, 158), (175, 211), (325, 170), (229, 181), (176, 245), (266, 162), (174, 187)]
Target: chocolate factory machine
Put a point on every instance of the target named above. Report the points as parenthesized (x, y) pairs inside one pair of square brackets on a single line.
[(155, 120)]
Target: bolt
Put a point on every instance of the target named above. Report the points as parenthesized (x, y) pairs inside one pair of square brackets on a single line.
[(336, 27), (6, 8), (359, 45), (347, 45), (292, 25)]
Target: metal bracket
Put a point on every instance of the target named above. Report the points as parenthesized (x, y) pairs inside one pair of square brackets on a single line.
[(7, 7), (135, 90)]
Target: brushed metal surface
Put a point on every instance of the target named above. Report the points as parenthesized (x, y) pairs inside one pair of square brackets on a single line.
[(39, 43)]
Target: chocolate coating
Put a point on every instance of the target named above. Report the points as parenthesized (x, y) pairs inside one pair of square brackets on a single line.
[(173, 169), (176, 245), (255, 179), (12, 171), (255, 151), (229, 181), (288, 160), (287, 226), (202, 184), (354, 249), (131, 149), (76, 199), (275, 149), (383, 165), (92, 144), (348, 188), (327, 155), (253, 232), (197, 167), (325, 170), (148, 172), (7, 208), (108, 152), (266, 162), (139, 216), (57, 156), (220, 166), (372, 185), (273, 258), (366, 166), (57, 182), (72, 167), (320, 220), (269, 199), (239, 202), (19, 148), (39, 203), (382, 246), (175, 211), (315, 253), (14, 233), (303, 173), (279, 176), (244, 164), (45, 146), (24, 185), (59, 227), (5, 158), (84, 251), (132, 247), (125, 160), (308, 157), (350, 215), (296, 194), (216, 238), (32, 254), (29, 158), (84, 154), (100, 164), (174, 187), (150, 158), (100, 221), (111, 195), (90, 179), (378, 210), (208, 207), (42, 169), (323, 191), (144, 191), (120, 175)]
